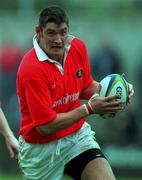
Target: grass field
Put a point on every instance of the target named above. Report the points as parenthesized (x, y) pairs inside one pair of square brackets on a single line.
[(13, 177)]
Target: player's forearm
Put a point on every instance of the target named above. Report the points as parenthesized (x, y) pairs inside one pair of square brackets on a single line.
[(65, 120), (92, 88), (62, 121)]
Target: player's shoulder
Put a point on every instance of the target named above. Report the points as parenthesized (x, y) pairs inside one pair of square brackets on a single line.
[(78, 45), (29, 54), (28, 65), (78, 42), (28, 58)]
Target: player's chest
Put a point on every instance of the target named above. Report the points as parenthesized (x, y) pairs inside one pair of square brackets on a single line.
[(65, 80)]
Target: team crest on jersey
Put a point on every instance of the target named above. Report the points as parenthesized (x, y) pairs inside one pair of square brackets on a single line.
[(79, 73)]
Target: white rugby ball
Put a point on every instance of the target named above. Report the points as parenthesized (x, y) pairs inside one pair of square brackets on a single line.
[(111, 85)]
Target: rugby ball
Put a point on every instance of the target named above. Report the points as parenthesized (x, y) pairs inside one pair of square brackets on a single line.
[(111, 85)]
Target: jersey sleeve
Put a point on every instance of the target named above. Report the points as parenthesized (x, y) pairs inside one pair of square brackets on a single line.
[(87, 77)]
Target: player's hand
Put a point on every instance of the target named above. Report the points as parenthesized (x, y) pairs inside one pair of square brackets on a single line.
[(105, 104), (130, 92), (102, 105), (12, 146)]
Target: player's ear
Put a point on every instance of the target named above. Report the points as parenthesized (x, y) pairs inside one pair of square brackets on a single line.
[(38, 31)]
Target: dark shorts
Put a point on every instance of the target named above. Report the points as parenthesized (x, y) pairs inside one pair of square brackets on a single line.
[(76, 166)]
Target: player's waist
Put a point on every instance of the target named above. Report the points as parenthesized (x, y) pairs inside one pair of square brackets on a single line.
[(32, 136)]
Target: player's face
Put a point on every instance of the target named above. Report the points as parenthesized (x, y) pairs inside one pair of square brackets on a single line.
[(52, 40)]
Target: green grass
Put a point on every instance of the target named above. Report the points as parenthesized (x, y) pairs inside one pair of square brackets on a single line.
[(17, 177), (129, 178), (10, 177)]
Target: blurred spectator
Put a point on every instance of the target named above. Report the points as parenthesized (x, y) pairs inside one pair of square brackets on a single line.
[(137, 4), (106, 61), (10, 56), (128, 128), (131, 128)]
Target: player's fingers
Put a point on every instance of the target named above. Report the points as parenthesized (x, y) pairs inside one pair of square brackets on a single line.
[(11, 152), (111, 98), (116, 103), (114, 106), (123, 75), (130, 93), (130, 89), (112, 109)]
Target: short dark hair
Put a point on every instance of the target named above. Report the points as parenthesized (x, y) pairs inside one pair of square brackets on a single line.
[(52, 14)]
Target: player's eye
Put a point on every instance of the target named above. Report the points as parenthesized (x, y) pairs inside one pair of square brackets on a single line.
[(63, 33), (51, 33)]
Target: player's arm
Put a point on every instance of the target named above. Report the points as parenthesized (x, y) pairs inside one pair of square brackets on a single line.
[(64, 120), (11, 141), (40, 108), (94, 87), (99, 105)]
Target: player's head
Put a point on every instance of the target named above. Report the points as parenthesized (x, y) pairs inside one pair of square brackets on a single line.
[(52, 31), (52, 14)]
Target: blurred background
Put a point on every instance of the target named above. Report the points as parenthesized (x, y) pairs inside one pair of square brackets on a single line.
[(112, 31)]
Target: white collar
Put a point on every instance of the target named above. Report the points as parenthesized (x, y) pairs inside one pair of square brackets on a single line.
[(42, 56)]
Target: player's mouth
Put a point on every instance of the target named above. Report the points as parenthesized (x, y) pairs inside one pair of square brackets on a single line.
[(57, 47)]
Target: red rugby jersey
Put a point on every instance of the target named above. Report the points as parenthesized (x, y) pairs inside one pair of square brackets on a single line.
[(45, 88)]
